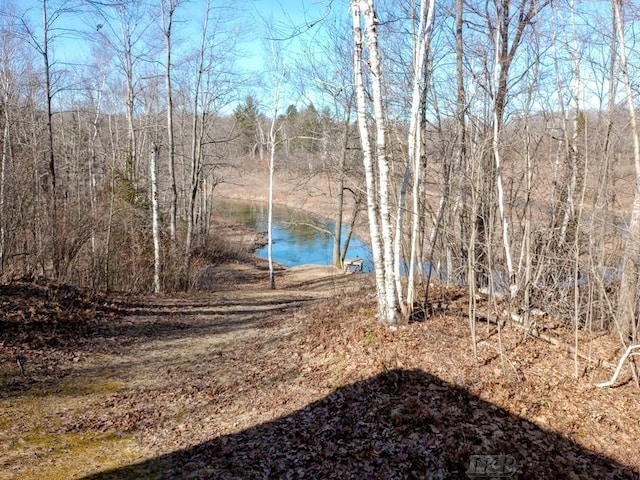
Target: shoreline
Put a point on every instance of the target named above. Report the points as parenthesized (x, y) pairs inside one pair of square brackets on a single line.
[(295, 192)]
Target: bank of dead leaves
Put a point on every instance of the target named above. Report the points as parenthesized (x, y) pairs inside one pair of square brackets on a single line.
[(43, 323), (312, 387)]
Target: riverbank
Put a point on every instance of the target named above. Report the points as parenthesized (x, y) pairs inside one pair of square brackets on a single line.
[(310, 194)]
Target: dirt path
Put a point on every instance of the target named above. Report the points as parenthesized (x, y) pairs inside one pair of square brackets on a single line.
[(137, 386)]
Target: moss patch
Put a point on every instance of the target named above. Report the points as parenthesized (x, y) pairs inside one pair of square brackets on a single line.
[(73, 455), (38, 438)]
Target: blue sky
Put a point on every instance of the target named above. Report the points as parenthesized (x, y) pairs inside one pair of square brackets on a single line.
[(289, 23)]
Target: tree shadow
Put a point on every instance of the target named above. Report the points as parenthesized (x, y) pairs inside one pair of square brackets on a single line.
[(129, 325), (150, 324), (402, 424), (120, 325)]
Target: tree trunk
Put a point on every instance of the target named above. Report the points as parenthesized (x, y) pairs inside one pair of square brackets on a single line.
[(459, 195), (4, 162), (628, 300), (382, 161), (497, 128), (53, 201), (155, 216), (367, 155), (272, 159), (173, 205), (339, 212), (196, 142), (351, 227), (420, 81), (273, 136)]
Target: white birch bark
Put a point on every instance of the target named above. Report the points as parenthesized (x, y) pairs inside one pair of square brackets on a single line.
[(414, 141), (367, 156), (513, 286), (272, 163), (397, 243), (6, 152), (155, 216), (6, 158), (630, 352), (92, 167), (571, 142), (382, 161)]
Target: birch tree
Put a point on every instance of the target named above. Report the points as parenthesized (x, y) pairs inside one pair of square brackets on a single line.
[(4, 162), (378, 190), (276, 78), (414, 141), (500, 43), (272, 166), (506, 30), (155, 216)]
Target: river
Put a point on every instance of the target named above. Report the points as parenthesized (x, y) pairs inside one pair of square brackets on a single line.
[(299, 238)]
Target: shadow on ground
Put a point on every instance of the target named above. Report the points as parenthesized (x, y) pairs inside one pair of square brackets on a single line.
[(399, 425)]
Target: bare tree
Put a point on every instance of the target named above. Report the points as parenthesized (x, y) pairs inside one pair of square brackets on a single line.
[(627, 302), (168, 8), (378, 190), (505, 49), (8, 55), (331, 71), (196, 132), (155, 216), (272, 165), (415, 144), (123, 29), (42, 45)]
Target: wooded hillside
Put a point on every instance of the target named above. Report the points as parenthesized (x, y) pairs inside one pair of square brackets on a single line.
[(494, 141)]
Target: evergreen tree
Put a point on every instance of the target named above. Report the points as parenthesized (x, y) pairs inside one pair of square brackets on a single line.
[(246, 117)]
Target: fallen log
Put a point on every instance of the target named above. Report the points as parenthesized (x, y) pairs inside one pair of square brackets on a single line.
[(627, 354)]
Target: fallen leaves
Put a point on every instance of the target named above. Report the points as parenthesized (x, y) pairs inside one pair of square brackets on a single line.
[(300, 382)]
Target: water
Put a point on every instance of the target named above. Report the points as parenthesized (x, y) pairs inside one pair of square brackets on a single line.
[(299, 238)]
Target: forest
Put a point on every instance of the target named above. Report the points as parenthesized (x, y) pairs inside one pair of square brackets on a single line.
[(499, 142)]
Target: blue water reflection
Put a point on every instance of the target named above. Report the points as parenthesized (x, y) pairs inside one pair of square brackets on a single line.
[(298, 237)]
